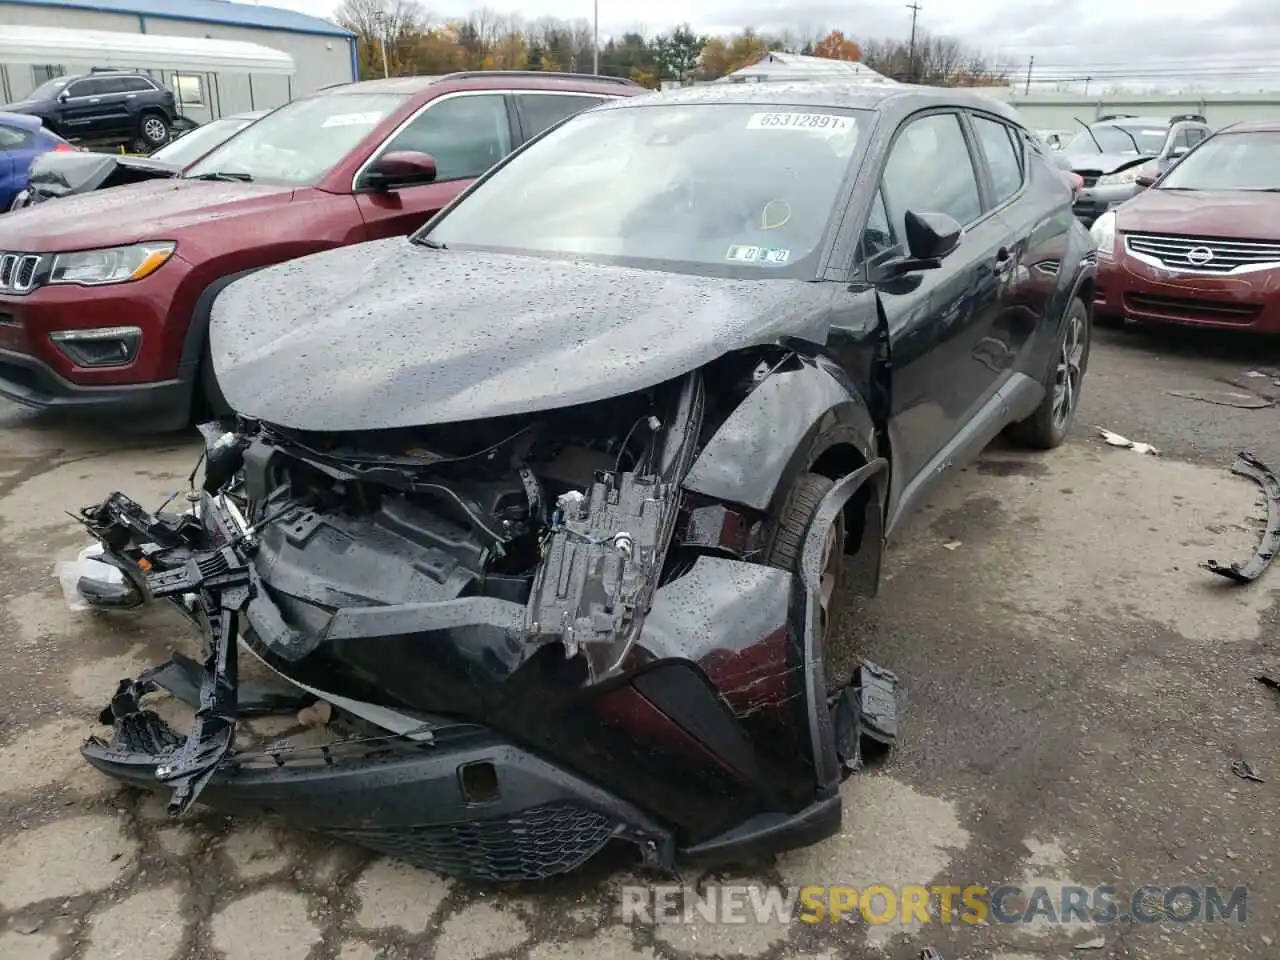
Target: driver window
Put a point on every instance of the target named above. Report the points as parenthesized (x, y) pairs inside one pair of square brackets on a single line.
[(930, 171), (466, 135)]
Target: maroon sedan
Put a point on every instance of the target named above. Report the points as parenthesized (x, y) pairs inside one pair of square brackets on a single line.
[(1202, 245)]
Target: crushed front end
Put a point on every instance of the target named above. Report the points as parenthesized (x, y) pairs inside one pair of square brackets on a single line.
[(534, 642)]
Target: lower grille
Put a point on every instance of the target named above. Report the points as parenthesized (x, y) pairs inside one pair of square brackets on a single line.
[(1179, 308), (1204, 254), (535, 844)]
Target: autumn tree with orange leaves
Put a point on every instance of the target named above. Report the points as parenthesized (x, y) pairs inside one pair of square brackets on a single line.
[(836, 46)]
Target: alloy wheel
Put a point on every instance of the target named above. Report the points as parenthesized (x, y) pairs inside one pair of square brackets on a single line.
[(1069, 373), (154, 130)]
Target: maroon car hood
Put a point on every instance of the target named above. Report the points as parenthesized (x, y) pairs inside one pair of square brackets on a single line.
[(157, 210), (1239, 214)]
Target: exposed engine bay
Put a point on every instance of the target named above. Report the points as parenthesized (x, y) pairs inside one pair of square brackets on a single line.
[(536, 597)]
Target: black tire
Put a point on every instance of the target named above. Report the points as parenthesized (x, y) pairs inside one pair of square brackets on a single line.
[(1047, 428), (793, 523), (153, 129), (786, 550)]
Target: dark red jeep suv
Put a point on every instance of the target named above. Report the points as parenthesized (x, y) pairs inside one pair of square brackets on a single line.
[(105, 298)]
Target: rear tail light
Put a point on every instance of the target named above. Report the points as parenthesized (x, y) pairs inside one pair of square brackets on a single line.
[(65, 148)]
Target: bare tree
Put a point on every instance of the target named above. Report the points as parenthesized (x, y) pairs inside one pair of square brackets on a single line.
[(382, 28)]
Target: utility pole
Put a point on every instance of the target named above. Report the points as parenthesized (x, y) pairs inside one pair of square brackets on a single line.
[(911, 54), (595, 41), (380, 25), (1030, 63)]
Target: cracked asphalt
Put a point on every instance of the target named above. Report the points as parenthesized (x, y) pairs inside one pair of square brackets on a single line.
[(1075, 692)]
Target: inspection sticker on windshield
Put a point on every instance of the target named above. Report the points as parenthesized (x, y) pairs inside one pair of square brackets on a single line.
[(829, 124), (352, 120), (740, 253)]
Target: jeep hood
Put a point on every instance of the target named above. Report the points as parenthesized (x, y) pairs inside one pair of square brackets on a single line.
[(156, 210), (1238, 214), (390, 334)]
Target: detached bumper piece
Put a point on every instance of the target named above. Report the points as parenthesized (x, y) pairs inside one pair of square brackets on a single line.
[(221, 581), (466, 803), (1247, 465)]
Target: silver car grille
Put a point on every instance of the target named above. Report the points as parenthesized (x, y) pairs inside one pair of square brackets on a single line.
[(18, 272), (1204, 254)]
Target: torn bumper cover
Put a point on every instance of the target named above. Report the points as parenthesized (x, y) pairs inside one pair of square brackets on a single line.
[(1247, 465), (507, 734)]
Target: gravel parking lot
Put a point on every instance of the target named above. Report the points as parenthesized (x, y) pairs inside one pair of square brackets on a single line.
[(1075, 692)]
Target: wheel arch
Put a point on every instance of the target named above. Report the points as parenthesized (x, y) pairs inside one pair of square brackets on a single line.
[(802, 420)]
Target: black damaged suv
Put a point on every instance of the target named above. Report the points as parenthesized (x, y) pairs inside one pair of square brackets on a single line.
[(551, 502), (103, 106)]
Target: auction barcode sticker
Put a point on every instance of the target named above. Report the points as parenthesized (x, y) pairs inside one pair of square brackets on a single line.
[(828, 123)]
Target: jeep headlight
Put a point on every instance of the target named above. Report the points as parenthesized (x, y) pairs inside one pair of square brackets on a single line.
[(1104, 234), (1127, 175), (111, 264)]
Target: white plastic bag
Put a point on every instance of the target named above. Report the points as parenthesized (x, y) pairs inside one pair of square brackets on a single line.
[(86, 564)]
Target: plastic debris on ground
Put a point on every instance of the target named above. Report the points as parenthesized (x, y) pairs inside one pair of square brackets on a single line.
[(1247, 771), (1225, 398), (1097, 943), (86, 565), (1118, 441)]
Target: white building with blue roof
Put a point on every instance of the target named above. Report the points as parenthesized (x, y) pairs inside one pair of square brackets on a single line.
[(323, 53)]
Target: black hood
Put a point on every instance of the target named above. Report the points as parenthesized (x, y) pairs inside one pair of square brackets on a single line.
[(389, 334), (60, 174)]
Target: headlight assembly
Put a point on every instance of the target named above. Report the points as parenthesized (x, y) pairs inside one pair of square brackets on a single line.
[(1127, 175), (110, 265), (1104, 234)]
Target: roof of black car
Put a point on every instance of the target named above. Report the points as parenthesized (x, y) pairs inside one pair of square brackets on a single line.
[(851, 94)]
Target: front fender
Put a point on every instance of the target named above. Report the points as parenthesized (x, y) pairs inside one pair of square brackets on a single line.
[(778, 432)]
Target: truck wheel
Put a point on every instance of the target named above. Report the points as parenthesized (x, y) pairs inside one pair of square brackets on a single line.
[(787, 548), (154, 130), (1048, 427)]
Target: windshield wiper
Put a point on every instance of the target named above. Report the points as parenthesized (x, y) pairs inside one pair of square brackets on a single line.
[(1090, 133), (224, 175), (429, 243)]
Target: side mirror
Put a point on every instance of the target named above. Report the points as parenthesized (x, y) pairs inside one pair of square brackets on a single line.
[(400, 168), (931, 237), (63, 97)]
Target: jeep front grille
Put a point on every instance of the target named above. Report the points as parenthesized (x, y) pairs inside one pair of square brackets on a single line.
[(18, 272)]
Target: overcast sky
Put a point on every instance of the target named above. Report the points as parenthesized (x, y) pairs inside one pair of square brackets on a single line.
[(1162, 38)]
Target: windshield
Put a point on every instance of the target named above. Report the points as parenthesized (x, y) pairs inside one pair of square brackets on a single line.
[(47, 90), (191, 146), (1229, 161), (746, 187), (300, 142), (1139, 141)]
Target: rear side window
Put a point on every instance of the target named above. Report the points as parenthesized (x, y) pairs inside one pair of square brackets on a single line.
[(85, 88), (929, 171), (466, 135), (538, 111), (137, 85), (109, 85), (1004, 158), (12, 139)]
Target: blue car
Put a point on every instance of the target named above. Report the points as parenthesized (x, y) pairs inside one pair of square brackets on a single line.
[(22, 139)]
